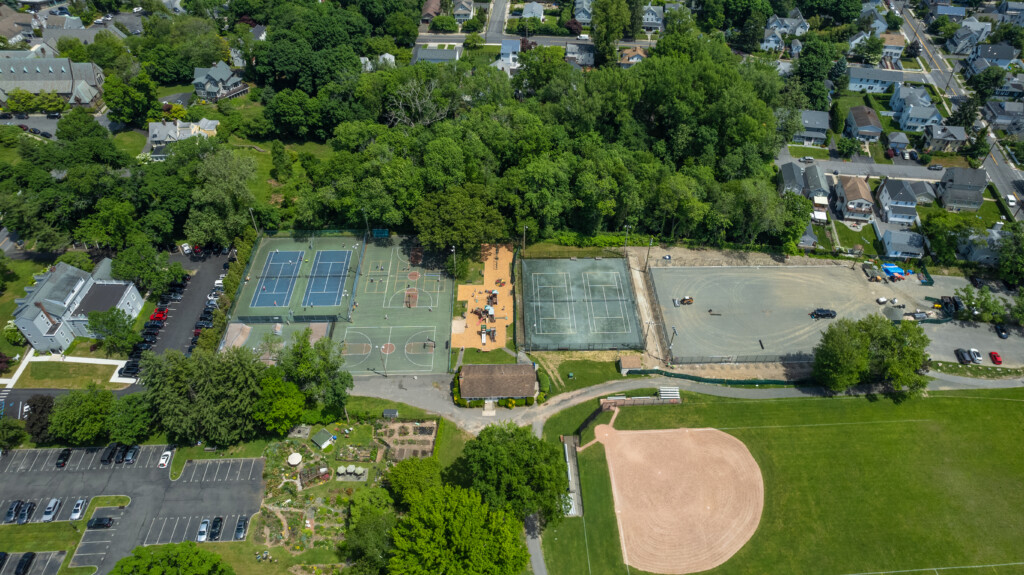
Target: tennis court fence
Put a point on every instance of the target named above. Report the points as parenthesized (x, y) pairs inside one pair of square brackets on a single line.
[(296, 318), (355, 283)]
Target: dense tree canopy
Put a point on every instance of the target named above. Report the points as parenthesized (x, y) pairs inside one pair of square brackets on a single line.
[(181, 558)]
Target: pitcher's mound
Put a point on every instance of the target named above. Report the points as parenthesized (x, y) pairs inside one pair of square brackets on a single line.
[(686, 500)]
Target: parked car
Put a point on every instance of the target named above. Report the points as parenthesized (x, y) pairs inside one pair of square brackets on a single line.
[(165, 459), (21, 115), (23, 127), (975, 355), (215, 527), (25, 564), (143, 346), (935, 167), (46, 135), (53, 115), (34, 131), (204, 530), (1001, 331), (100, 523), (12, 511), (995, 357), (126, 371), (108, 455), (150, 339), (1011, 200), (26, 513), (962, 355), (50, 513), (157, 323), (78, 510), (186, 249), (121, 450), (62, 459), (204, 324), (3, 559), (132, 455), (822, 313), (241, 527)]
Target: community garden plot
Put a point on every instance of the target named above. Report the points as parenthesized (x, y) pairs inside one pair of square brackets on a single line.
[(579, 304)]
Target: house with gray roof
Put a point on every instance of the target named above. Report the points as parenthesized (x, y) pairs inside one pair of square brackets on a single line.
[(580, 56), (1012, 12), (898, 141), (971, 33), (862, 123), (794, 24), (16, 26), (983, 248), (55, 309), (810, 183), (875, 20), (857, 39), (652, 19), (79, 83), (583, 11), (924, 192), (902, 244), (436, 55), (954, 13), (39, 50), (1004, 115), (962, 189), (533, 10), (86, 36), (815, 183), (163, 133), (897, 201), (815, 128), (914, 108), (1012, 88), (791, 178), (772, 41), (874, 80), (463, 10), (986, 55), (218, 82), (58, 22), (940, 138)]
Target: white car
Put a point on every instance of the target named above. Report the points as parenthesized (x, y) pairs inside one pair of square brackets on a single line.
[(165, 459), (975, 355), (1011, 200), (186, 249), (583, 37), (204, 530), (78, 510), (51, 510)]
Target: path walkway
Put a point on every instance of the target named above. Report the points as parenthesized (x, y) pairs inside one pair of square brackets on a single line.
[(31, 357)]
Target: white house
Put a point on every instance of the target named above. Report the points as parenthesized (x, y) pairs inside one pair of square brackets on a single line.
[(898, 201), (794, 24), (772, 40), (584, 11), (914, 108), (875, 80), (653, 18), (163, 133), (893, 45)]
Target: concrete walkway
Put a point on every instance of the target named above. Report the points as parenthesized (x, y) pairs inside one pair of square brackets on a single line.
[(31, 357)]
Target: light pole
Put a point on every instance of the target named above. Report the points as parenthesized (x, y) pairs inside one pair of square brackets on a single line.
[(647, 262), (254, 226), (455, 264), (524, 239), (383, 364)]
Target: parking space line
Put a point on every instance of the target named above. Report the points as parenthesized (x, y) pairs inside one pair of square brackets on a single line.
[(239, 474), (184, 535), (93, 459), (48, 559), (195, 465), (31, 465), (251, 469), (206, 469), (173, 529), (11, 462)]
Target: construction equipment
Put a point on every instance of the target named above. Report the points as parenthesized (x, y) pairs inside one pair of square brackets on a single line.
[(687, 300), (874, 278)]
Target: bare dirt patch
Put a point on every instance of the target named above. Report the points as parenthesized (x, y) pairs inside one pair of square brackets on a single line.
[(686, 500)]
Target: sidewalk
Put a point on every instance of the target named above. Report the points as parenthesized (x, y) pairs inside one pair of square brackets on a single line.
[(31, 356)]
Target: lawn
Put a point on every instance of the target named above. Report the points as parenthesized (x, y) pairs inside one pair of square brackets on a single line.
[(950, 161), (851, 485), (165, 91), (549, 249), (144, 313), (241, 556), (482, 56), (19, 277), (878, 153), (475, 356), (812, 151), (130, 142), (9, 155), (450, 442), (64, 375), (823, 240), (585, 373), (182, 454), (866, 238), (910, 64), (81, 347), (371, 407)]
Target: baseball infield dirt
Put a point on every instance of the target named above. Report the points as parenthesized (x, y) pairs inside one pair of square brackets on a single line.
[(686, 500)]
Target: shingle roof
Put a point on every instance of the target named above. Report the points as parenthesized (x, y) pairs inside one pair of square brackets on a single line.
[(220, 72), (877, 74), (966, 177), (951, 11), (898, 138), (433, 54), (85, 36), (855, 188), (792, 176), (952, 133), (814, 120), (898, 190), (59, 75), (995, 51), (864, 116), (533, 10), (814, 177), (101, 297), (903, 241), (486, 381)]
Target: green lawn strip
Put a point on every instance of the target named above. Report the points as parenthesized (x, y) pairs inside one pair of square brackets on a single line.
[(550, 249), (371, 407), (450, 442), (865, 238), (130, 142), (823, 238), (241, 556), (65, 375), (878, 153), (476, 357), (9, 155), (910, 63), (183, 454), (81, 347), (143, 317), (482, 56), (19, 277), (165, 91), (866, 486), (972, 370), (812, 151), (586, 373)]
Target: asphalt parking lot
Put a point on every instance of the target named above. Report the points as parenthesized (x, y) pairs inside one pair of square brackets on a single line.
[(44, 564), (161, 510), (183, 315)]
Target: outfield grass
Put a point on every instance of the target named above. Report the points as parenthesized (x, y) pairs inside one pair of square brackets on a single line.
[(64, 375), (131, 142), (851, 485)]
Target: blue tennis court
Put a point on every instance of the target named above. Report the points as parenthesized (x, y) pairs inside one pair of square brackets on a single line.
[(277, 280), (326, 285)]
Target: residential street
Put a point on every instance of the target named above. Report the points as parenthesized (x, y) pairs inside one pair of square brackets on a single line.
[(868, 168)]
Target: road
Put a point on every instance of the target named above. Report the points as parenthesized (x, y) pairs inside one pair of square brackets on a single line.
[(496, 23), (867, 168)]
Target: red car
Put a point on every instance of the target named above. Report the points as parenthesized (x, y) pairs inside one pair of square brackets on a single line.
[(995, 357), (23, 127), (158, 315)]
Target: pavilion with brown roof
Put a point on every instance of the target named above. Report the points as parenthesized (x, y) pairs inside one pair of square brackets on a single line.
[(497, 381)]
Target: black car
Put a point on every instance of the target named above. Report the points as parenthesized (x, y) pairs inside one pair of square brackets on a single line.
[(151, 331), (963, 356), (100, 523), (178, 285), (975, 281), (6, 116), (26, 513), (54, 115), (132, 455), (1001, 331), (12, 512), (136, 354), (150, 339), (128, 371), (21, 115), (142, 346), (157, 323), (46, 135), (108, 455), (203, 324), (164, 300), (34, 131), (215, 527), (62, 459), (121, 450), (240, 528), (194, 340), (25, 564), (822, 313), (207, 315), (3, 559)]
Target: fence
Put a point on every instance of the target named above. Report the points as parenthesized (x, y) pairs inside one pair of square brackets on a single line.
[(657, 316), (355, 282), (786, 358), (926, 278), (611, 402), (717, 380), (519, 323)]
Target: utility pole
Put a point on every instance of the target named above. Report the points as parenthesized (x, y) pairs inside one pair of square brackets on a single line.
[(455, 264), (254, 226)]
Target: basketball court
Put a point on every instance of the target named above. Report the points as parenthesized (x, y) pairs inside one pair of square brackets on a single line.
[(579, 304)]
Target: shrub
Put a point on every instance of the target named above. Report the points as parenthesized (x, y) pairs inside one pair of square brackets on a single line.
[(529, 401), (444, 23)]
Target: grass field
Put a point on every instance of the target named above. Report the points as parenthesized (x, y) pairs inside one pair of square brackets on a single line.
[(585, 373), (165, 91), (63, 375), (473, 356), (130, 142), (851, 485), (240, 556), (812, 151), (866, 237), (81, 347)]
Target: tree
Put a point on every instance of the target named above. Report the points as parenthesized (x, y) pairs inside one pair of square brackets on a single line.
[(368, 543), (1016, 312), (368, 502), (141, 264), (1011, 255), (80, 417), (19, 100), (636, 17), (897, 354), (317, 371), (946, 232), (412, 477), (847, 147), (456, 217), (280, 406), (574, 27), (980, 305), (892, 21), (444, 23), (80, 260), (402, 28), (130, 103), (184, 557), (870, 50), (610, 19), (987, 82), (813, 67), (11, 434), (841, 357), (13, 335), (473, 41), (913, 50), (282, 161), (115, 328), (511, 467), (753, 31), (130, 419), (450, 530), (838, 70), (965, 113), (978, 147), (37, 422)]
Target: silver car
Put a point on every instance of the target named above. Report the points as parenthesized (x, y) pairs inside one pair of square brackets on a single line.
[(78, 510), (204, 530), (50, 513)]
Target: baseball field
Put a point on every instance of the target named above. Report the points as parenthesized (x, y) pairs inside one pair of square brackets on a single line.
[(852, 486)]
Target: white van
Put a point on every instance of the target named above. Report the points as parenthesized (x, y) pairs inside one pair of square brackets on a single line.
[(219, 284), (1011, 200), (583, 37)]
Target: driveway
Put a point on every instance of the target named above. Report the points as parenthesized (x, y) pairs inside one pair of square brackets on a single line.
[(229, 488), (183, 315), (39, 121)]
